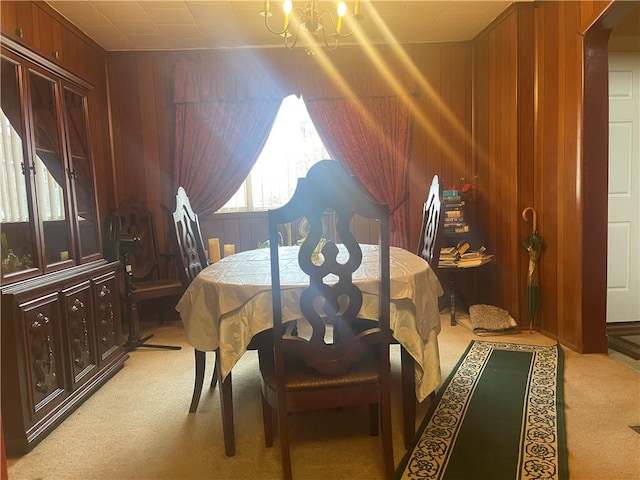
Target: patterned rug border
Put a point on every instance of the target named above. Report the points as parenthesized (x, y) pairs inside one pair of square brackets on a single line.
[(562, 467)]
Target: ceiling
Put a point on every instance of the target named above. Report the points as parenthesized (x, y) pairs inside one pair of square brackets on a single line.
[(182, 25)]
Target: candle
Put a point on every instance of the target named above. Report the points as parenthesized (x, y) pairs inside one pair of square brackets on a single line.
[(356, 8), (229, 249), (287, 7), (214, 250), (342, 11)]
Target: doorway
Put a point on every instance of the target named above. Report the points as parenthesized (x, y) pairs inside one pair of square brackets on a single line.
[(623, 257)]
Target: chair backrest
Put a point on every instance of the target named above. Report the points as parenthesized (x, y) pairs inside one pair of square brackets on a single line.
[(189, 244), (430, 223), (136, 220), (329, 187)]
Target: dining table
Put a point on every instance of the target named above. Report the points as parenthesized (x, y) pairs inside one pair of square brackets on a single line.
[(230, 302)]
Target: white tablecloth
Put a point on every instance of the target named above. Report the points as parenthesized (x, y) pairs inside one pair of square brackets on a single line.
[(230, 301)]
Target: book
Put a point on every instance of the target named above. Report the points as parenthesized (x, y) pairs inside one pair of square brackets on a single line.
[(474, 262), (462, 247)]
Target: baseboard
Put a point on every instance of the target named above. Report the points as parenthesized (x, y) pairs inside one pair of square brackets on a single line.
[(619, 338)]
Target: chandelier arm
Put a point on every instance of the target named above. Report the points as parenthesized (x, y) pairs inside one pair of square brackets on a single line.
[(333, 47), (276, 32), (296, 11)]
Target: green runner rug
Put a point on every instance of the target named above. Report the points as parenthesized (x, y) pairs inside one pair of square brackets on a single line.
[(498, 416)]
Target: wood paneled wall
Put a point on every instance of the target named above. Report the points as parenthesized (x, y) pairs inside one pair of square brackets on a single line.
[(534, 147), (503, 133), (560, 195), (142, 110)]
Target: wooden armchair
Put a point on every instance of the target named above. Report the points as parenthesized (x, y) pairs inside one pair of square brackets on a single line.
[(146, 269), (340, 363)]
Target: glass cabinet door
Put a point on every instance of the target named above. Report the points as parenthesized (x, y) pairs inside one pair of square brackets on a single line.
[(49, 171), (81, 173), (18, 244)]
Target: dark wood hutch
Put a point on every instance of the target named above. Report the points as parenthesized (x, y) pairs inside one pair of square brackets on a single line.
[(60, 325)]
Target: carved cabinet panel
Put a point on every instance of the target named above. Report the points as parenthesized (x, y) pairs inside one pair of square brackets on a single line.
[(107, 313), (44, 354), (81, 334)]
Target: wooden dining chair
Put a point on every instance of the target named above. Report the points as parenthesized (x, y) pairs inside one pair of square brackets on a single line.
[(426, 249), (147, 269), (430, 225), (337, 363), (191, 260)]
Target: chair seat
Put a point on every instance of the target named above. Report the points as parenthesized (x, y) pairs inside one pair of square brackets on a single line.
[(301, 377), (152, 288)]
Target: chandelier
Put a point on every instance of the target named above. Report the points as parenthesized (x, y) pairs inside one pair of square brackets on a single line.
[(309, 21)]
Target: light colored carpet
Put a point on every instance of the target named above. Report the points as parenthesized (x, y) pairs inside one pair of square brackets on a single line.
[(137, 425)]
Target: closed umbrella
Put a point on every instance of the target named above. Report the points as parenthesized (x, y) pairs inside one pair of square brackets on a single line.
[(533, 244)]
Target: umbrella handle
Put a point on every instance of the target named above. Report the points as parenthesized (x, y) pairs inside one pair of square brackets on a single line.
[(534, 216)]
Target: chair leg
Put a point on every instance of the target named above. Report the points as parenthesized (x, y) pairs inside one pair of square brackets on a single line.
[(407, 366), (285, 452), (267, 420), (214, 376), (200, 360), (374, 420), (226, 408), (386, 434)]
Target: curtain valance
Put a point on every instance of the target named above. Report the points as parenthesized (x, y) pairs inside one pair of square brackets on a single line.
[(260, 74)]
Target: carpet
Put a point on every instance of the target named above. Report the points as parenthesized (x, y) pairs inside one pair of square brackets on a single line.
[(498, 416)]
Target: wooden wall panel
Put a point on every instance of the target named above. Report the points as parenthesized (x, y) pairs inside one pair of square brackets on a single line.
[(497, 129), (561, 194), (441, 139)]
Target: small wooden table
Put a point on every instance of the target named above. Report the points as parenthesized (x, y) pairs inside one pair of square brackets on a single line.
[(451, 289)]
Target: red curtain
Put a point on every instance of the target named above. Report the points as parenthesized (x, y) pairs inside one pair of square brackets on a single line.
[(371, 137), (223, 117), (217, 144)]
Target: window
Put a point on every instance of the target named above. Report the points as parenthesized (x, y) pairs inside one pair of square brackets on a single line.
[(292, 148)]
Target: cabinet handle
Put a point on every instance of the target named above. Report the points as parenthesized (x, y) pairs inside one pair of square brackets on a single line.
[(24, 170), (55, 55), (20, 32), (104, 291)]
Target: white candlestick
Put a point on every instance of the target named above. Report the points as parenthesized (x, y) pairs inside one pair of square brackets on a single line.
[(214, 250), (229, 249)]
